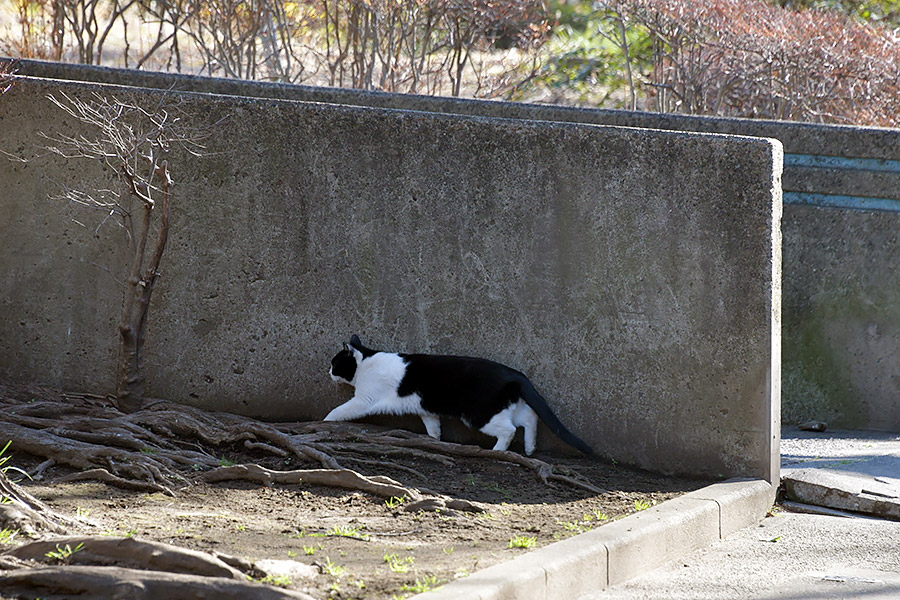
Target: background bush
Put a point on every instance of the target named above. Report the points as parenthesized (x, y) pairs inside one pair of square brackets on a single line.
[(834, 61)]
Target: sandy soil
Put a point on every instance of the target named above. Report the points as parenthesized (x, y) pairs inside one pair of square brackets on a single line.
[(363, 546)]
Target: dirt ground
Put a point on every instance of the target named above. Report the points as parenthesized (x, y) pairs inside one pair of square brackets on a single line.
[(362, 546)]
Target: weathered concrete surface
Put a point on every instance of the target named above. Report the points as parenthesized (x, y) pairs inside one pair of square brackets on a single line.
[(787, 556), (634, 275), (795, 556), (798, 138), (843, 491), (843, 470), (842, 325), (842, 312)]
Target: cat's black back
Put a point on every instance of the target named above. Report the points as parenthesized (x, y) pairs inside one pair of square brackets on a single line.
[(472, 389)]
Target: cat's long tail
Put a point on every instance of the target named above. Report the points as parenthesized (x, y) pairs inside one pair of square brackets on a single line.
[(540, 406)]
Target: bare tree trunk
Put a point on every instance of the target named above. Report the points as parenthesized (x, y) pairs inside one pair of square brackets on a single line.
[(133, 326)]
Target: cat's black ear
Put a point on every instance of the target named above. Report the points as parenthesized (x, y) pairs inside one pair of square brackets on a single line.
[(355, 342)]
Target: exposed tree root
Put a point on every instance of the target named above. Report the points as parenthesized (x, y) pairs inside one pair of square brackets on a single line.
[(164, 445), (427, 447), (106, 476), (105, 583), (129, 552), (340, 478), (20, 511)]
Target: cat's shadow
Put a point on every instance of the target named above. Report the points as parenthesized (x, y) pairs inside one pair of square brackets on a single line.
[(454, 431)]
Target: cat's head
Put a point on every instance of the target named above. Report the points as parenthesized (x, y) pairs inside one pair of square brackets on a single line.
[(344, 363)]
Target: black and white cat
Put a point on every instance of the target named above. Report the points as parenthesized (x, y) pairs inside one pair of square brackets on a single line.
[(485, 395)]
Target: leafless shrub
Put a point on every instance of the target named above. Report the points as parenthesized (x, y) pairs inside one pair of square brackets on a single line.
[(7, 75), (421, 46), (749, 58), (37, 32), (133, 143)]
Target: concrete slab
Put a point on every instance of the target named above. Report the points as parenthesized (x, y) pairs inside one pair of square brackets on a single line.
[(843, 491), (792, 555), (620, 550), (788, 556), (736, 499), (850, 583), (844, 470)]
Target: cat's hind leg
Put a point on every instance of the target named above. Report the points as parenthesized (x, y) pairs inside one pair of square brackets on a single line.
[(432, 425), (501, 427), (525, 417)]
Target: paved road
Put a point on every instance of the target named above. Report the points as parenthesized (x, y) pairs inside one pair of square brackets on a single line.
[(790, 555)]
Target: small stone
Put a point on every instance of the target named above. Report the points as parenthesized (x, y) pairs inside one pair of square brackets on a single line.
[(813, 426), (286, 568)]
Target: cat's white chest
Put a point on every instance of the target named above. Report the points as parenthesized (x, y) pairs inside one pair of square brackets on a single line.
[(379, 376)]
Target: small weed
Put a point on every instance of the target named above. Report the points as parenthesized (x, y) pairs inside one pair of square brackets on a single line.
[(520, 541), (397, 564), (64, 554), (309, 550), (240, 527), (333, 569), (148, 451), (600, 516), (113, 533), (447, 551), (500, 490), (225, 462), (348, 531), (360, 584), (574, 526), (276, 580), (461, 573), (504, 511), (429, 582), (640, 505), (334, 588), (7, 468), (5, 500), (8, 536), (394, 502), (291, 554), (4, 459), (81, 512)]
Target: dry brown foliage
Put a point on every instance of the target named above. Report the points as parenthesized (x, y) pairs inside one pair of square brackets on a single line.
[(416, 46), (748, 58)]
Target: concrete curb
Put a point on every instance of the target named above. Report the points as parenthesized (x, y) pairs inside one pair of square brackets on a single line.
[(620, 550)]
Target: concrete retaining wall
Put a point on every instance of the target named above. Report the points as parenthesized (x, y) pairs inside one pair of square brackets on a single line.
[(841, 192), (634, 275)]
